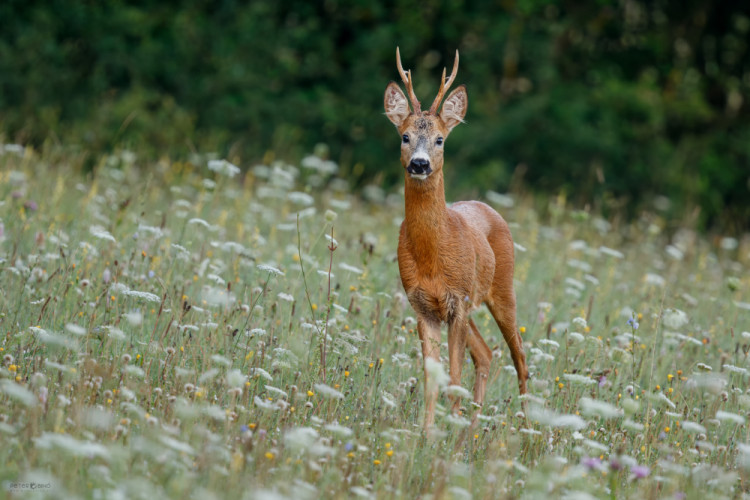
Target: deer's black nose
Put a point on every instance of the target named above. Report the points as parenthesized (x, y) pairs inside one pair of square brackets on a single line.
[(419, 166)]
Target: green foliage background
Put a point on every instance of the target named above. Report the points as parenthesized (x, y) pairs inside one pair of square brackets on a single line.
[(609, 102)]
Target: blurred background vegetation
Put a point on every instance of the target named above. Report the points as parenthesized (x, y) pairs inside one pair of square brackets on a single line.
[(621, 105)]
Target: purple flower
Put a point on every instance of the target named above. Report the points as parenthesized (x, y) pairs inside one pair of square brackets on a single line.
[(602, 380), (150, 273), (615, 464), (640, 471), (592, 462), (349, 446), (633, 323), (244, 429), (31, 205)]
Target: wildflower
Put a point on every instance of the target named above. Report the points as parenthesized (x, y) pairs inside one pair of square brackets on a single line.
[(592, 407), (633, 323), (223, 167), (328, 392), (330, 215), (269, 269), (592, 463), (674, 318)]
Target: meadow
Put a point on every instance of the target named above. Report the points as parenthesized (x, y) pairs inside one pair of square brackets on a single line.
[(187, 330)]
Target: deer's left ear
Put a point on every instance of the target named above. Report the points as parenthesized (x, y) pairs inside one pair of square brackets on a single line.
[(454, 107)]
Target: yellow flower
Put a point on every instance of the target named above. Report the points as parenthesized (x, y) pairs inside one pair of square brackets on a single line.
[(389, 453), (387, 445), (269, 455), (13, 368), (346, 373), (376, 462), (560, 385), (310, 393), (523, 329), (670, 377), (315, 307)]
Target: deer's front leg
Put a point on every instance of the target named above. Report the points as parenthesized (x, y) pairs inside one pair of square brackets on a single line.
[(429, 335), (457, 332)]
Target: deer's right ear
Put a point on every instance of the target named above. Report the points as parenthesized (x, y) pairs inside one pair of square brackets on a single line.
[(396, 105)]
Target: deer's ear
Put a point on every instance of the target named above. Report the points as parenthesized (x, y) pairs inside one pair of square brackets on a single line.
[(396, 105), (454, 107)]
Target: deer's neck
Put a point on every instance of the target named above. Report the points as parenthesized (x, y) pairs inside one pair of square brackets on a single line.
[(426, 219)]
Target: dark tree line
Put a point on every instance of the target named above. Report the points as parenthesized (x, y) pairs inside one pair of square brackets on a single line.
[(611, 102)]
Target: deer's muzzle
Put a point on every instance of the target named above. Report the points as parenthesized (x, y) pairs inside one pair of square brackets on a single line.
[(419, 167)]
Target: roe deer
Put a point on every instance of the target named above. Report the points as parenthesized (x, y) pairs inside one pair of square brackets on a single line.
[(451, 259)]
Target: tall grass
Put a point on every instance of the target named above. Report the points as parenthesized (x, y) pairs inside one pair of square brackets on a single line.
[(159, 340)]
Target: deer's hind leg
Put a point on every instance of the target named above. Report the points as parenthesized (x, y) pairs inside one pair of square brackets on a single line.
[(503, 309), (481, 355)]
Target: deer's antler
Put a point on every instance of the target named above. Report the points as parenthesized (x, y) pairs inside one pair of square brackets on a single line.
[(406, 77), (444, 86)]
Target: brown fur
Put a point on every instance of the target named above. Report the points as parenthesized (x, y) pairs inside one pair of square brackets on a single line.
[(452, 259)]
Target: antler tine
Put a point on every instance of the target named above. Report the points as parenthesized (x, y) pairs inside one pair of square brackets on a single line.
[(444, 86), (406, 77)]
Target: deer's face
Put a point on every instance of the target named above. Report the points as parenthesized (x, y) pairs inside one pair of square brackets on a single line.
[(422, 139), (423, 134)]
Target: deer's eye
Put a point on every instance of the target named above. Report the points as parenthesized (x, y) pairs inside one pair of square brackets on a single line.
[(439, 141), (405, 138)]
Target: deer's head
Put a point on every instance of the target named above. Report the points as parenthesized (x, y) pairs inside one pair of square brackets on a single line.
[(423, 133)]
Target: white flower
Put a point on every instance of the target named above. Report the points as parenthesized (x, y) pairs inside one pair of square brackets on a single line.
[(328, 391), (269, 269), (347, 267), (674, 318), (457, 390), (436, 375), (596, 408), (554, 419), (457, 420), (17, 392), (223, 167), (262, 373), (300, 438), (235, 378), (133, 318), (71, 445), (101, 233), (732, 417), (75, 329), (339, 430), (285, 296), (611, 252), (693, 427), (300, 198), (578, 379), (654, 279), (580, 323)]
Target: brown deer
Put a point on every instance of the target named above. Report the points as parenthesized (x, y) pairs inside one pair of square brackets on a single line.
[(451, 259)]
